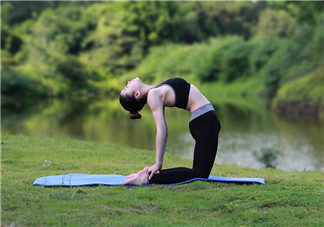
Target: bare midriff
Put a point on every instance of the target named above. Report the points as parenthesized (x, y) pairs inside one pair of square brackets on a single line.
[(196, 99)]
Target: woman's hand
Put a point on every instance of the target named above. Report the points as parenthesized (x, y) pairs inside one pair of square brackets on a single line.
[(135, 174), (154, 169)]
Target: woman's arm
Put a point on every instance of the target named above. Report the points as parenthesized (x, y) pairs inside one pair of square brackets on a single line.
[(156, 105)]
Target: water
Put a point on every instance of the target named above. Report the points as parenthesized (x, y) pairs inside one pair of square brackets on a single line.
[(250, 136)]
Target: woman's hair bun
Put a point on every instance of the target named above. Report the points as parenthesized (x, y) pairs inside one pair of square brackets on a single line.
[(135, 115)]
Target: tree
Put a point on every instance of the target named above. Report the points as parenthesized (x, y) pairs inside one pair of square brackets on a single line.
[(275, 24)]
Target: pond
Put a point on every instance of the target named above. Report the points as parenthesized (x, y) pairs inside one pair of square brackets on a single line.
[(250, 136)]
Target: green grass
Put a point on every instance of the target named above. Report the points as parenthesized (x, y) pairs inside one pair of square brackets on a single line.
[(287, 199)]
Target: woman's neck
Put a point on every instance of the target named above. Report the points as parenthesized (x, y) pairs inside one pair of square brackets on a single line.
[(145, 89)]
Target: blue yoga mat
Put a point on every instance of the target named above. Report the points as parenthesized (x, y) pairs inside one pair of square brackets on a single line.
[(77, 180)]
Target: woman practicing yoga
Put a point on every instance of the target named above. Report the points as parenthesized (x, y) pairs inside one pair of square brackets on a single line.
[(204, 127)]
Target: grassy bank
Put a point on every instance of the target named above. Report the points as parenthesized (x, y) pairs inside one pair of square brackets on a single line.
[(287, 199), (303, 96)]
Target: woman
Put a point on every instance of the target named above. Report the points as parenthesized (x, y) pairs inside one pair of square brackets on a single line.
[(204, 127)]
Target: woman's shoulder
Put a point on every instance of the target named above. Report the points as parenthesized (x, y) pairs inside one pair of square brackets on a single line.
[(159, 90), (154, 93), (154, 98)]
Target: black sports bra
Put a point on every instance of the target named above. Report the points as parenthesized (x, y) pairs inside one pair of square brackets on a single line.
[(181, 90)]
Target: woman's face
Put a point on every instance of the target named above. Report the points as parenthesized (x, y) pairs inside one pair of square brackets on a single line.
[(132, 86)]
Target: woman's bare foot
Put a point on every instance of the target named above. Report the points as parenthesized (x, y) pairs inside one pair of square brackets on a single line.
[(138, 179), (131, 175)]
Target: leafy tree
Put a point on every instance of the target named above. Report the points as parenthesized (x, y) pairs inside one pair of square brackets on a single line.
[(229, 18), (15, 83), (13, 13), (235, 60), (67, 46), (306, 12), (9, 41), (16, 12), (261, 54), (275, 24), (62, 30)]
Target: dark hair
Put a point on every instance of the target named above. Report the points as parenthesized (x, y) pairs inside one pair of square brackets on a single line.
[(133, 105)]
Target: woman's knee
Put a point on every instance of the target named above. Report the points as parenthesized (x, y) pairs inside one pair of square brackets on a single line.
[(202, 173)]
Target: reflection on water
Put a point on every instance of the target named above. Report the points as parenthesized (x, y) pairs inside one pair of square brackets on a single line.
[(251, 136), (268, 156)]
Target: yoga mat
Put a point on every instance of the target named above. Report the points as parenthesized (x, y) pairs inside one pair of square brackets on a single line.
[(77, 180)]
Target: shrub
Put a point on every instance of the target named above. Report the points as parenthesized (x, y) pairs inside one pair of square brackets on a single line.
[(223, 57), (277, 66), (302, 96), (274, 23), (235, 59), (260, 54), (14, 83)]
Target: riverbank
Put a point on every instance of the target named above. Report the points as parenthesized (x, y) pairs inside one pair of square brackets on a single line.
[(303, 96), (288, 198)]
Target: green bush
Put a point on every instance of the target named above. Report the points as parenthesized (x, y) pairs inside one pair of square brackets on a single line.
[(273, 71), (274, 24), (293, 58), (226, 58), (14, 83), (260, 54), (235, 60), (9, 41), (303, 54), (304, 95), (73, 71), (208, 63)]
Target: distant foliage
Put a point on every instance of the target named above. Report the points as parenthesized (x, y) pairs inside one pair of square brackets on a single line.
[(206, 61), (9, 41), (275, 23), (14, 82), (305, 12), (302, 96), (78, 47), (293, 58), (260, 54), (235, 61)]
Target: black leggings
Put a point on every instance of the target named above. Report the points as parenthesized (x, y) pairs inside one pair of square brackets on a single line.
[(204, 129)]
